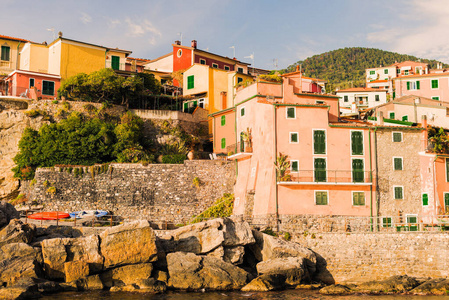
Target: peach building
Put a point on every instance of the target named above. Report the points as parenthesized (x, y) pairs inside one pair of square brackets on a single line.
[(434, 85)]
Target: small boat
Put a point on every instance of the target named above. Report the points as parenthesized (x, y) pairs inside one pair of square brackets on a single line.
[(49, 215), (88, 213)]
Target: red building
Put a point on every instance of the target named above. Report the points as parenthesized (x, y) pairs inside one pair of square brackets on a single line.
[(32, 84)]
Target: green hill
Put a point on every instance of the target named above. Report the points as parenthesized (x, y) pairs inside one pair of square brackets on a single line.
[(345, 67)]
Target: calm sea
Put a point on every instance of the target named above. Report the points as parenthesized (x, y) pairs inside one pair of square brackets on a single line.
[(282, 295)]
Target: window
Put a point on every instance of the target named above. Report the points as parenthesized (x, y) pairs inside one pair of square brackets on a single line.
[(201, 103), (115, 62), (321, 197), (5, 53), (372, 72), (320, 169), (413, 85), (357, 142), (179, 53), (406, 72), (447, 170), (397, 163), (386, 71), (239, 79), (202, 61), (398, 71), (242, 112), (293, 137), (446, 202), (319, 102), (357, 170), (319, 142), (398, 192), (391, 115), (223, 143), (190, 82), (291, 112), (405, 118), (186, 106), (48, 88), (436, 97), (215, 66), (294, 165), (345, 98), (227, 68), (397, 137), (377, 98), (223, 120), (386, 222), (358, 198), (412, 222), (425, 199), (31, 82), (240, 70), (434, 83)]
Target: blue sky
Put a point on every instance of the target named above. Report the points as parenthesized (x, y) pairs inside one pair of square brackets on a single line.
[(282, 30)]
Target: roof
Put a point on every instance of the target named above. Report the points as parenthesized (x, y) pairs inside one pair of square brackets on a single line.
[(361, 89), (304, 77), (160, 57), (90, 44), (423, 75), (203, 51), (5, 37), (378, 81), (34, 73)]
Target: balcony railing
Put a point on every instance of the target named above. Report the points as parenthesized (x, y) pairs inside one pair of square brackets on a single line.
[(6, 64), (121, 66), (330, 176), (238, 148)]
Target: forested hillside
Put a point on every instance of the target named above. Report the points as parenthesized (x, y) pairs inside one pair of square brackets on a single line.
[(344, 68)]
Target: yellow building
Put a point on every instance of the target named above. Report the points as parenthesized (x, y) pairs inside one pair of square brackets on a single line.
[(34, 57), (10, 49)]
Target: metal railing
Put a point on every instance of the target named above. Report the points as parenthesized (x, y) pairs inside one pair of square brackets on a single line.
[(238, 148), (331, 176), (121, 66)]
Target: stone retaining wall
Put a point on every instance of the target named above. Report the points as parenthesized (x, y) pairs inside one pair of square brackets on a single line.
[(157, 192), (358, 257)]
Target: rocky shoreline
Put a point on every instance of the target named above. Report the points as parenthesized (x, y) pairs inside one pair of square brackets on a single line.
[(219, 254)]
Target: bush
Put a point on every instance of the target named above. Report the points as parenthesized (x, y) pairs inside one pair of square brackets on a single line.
[(174, 159), (222, 208), (90, 108), (55, 101), (51, 190), (271, 78)]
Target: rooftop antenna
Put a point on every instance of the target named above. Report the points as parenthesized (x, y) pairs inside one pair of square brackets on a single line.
[(252, 58), (233, 47), (275, 63), (52, 30), (180, 34)]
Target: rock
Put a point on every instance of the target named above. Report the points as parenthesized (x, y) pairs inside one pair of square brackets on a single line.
[(188, 271), (54, 255), (126, 275), (322, 274), (130, 243), (336, 289), (17, 261), (17, 232), (49, 287), (75, 270), (150, 285), (125, 288), (394, 284), (234, 255), (160, 276), (91, 283), (436, 286), (7, 213), (269, 247), (291, 267), (217, 252), (314, 286), (26, 288), (237, 233), (264, 283)]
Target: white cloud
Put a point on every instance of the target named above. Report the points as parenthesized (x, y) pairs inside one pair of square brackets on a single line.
[(113, 23), (141, 28), (85, 18)]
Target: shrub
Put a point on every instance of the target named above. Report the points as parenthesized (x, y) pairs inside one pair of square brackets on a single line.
[(196, 182), (287, 236), (66, 105), (33, 182), (90, 108), (46, 183), (269, 231), (32, 113), (222, 208), (174, 159), (271, 78), (21, 198), (51, 190), (55, 101)]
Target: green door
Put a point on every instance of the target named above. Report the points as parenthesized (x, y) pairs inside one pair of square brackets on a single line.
[(115, 62), (320, 169), (357, 170)]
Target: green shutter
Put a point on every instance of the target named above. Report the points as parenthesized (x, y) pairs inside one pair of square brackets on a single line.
[(447, 170), (397, 164), (115, 62), (357, 170), (321, 198), (294, 137), (404, 118), (320, 169), (190, 82), (319, 142), (418, 85), (186, 106), (345, 99), (392, 115), (398, 192), (357, 142), (5, 53), (408, 85), (435, 83), (372, 72), (397, 137), (358, 198), (291, 112), (446, 202), (386, 222), (223, 143), (425, 199), (295, 167), (386, 71), (48, 88), (223, 120), (242, 112)]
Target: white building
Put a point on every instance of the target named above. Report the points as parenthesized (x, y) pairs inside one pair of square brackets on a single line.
[(354, 99)]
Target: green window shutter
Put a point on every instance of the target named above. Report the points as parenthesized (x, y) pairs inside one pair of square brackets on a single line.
[(386, 71), (357, 170), (223, 143), (115, 62), (398, 192), (425, 199), (446, 202), (386, 222), (242, 112), (397, 164), (397, 137), (320, 170), (295, 166), (418, 85), (372, 72), (435, 83), (321, 198), (392, 115), (358, 198), (294, 137), (5, 53), (345, 99), (394, 95), (319, 142), (412, 219), (190, 82), (408, 85), (186, 106), (48, 88), (447, 170), (404, 118), (223, 120), (291, 112), (357, 142)]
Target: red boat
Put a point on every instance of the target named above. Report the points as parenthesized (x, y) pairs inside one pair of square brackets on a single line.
[(49, 215)]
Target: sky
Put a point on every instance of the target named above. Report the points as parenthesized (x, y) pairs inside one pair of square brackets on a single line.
[(279, 33)]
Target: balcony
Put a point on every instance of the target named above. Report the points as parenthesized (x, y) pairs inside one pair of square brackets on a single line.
[(119, 67), (239, 151), (5, 65), (326, 177)]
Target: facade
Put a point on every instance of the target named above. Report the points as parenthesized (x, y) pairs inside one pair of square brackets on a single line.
[(33, 85), (9, 58), (361, 98), (433, 85)]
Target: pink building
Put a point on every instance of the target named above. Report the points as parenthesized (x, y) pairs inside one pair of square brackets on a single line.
[(434, 86), (33, 84)]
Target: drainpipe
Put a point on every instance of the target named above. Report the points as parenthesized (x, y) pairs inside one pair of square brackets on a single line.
[(17, 60), (377, 173), (105, 55), (435, 185), (371, 178), (233, 87), (275, 159)]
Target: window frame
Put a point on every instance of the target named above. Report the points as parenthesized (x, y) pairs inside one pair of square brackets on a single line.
[(8, 52), (327, 197), (364, 198), (202, 60), (325, 170), (227, 68), (363, 142), (297, 137), (394, 192), (376, 98), (223, 120), (394, 164), (392, 136), (352, 170), (239, 70), (294, 112), (190, 83), (385, 224), (385, 71), (54, 84), (242, 110), (345, 98), (313, 142), (431, 84), (297, 165), (433, 98), (444, 199), (372, 72), (215, 65), (34, 83), (389, 115), (422, 199)]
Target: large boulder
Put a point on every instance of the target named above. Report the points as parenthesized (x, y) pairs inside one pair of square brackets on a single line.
[(394, 284), (188, 271), (17, 232), (292, 268), (130, 243), (265, 283), (75, 270), (55, 256), (336, 289), (436, 286), (26, 288), (18, 261), (126, 275), (7, 213)]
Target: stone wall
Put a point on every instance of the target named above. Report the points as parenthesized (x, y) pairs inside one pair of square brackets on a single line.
[(357, 257), (157, 192)]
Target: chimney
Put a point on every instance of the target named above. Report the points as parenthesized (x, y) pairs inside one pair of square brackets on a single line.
[(60, 34), (380, 118), (424, 135), (297, 68), (194, 44), (177, 43)]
